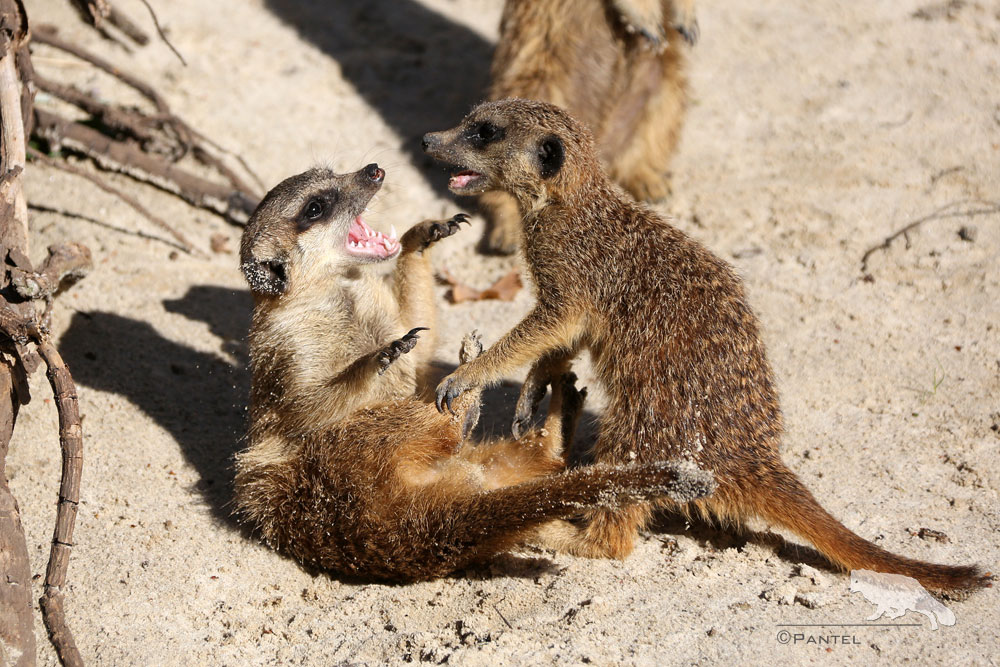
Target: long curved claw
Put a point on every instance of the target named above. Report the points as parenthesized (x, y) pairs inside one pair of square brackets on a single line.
[(449, 389), (398, 348), (532, 393), (690, 32), (441, 230)]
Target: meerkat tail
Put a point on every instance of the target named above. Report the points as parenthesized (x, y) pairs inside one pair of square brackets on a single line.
[(788, 503), (526, 505)]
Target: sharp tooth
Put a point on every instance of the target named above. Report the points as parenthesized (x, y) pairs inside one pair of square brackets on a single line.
[(392, 231)]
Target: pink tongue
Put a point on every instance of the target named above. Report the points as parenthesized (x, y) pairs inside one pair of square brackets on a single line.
[(461, 180)]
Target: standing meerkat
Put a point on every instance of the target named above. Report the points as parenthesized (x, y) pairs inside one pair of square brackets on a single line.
[(617, 65), (346, 469), (669, 331)]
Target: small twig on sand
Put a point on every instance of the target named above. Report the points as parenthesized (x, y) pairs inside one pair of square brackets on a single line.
[(946, 211), (142, 210)]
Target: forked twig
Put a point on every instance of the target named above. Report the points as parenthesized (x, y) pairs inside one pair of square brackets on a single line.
[(945, 211)]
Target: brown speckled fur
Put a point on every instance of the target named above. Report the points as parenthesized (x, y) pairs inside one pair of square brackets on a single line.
[(346, 469), (670, 334), (618, 65)]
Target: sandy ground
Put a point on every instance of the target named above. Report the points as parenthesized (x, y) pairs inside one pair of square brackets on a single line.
[(815, 131)]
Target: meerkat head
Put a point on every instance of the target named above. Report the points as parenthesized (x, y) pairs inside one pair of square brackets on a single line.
[(313, 219), (520, 146)]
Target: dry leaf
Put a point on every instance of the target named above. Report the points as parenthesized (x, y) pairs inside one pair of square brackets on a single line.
[(504, 289), (219, 243)]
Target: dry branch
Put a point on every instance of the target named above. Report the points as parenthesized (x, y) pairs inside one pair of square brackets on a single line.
[(21, 285), (162, 132), (13, 141), (17, 637), (125, 158), (71, 444), (127, 121)]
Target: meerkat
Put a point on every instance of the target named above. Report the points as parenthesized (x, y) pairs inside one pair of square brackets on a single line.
[(346, 469), (618, 65), (671, 336)]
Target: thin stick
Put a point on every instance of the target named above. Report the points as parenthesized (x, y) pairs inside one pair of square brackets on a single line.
[(124, 120), (12, 145), (142, 210), (71, 444), (166, 41)]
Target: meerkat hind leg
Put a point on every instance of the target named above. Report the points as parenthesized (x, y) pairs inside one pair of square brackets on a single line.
[(507, 462)]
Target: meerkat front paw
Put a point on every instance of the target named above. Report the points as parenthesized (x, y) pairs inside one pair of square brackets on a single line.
[(685, 22), (422, 235), (644, 17), (398, 348), (449, 389)]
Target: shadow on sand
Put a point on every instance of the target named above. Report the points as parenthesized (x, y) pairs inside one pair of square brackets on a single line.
[(201, 398), (418, 69)]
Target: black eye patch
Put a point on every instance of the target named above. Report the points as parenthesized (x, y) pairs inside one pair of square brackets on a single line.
[(316, 209), (551, 155), (482, 134)]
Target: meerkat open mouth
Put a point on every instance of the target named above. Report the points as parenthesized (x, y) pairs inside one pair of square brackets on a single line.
[(466, 181), (363, 241)]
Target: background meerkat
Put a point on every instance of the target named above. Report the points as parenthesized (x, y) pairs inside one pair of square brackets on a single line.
[(668, 328), (618, 65), (346, 470)]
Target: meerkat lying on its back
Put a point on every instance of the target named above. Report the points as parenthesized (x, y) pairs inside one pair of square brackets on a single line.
[(346, 470), (618, 65), (669, 331)]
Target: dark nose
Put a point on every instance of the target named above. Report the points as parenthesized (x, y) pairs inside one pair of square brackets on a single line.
[(430, 140), (374, 173)]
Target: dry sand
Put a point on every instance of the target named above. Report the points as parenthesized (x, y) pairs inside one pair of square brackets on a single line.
[(815, 131)]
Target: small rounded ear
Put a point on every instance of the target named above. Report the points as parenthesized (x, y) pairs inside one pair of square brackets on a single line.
[(266, 276), (550, 156)]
